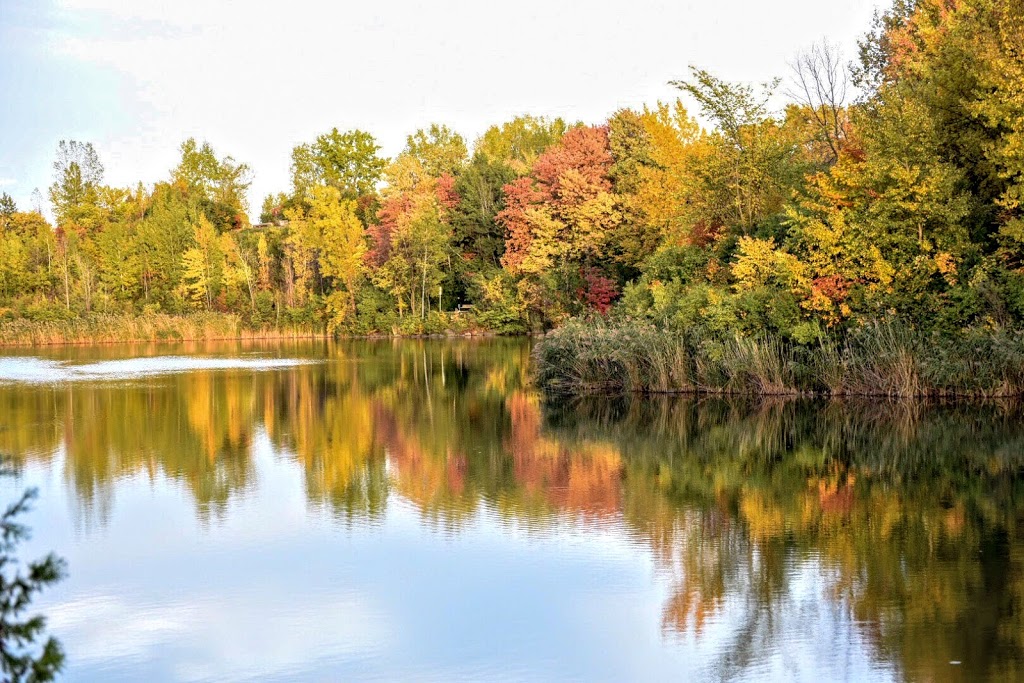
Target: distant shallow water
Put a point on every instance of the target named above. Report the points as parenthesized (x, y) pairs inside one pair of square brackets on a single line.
[(44, 371)]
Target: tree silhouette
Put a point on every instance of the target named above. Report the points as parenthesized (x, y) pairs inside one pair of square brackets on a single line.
[(21, 659)]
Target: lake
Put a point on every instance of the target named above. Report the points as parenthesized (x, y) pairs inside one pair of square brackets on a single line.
[(413, 510)]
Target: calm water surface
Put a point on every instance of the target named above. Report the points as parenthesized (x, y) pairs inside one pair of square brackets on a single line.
[(414, 511)]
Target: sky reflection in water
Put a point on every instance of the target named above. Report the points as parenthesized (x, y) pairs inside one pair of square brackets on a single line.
[(413, 510)]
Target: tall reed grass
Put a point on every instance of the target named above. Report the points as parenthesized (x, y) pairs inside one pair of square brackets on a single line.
[(880, 359), (104, 328)]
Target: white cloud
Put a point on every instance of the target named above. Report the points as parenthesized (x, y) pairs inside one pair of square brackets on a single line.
[(4, 182), (257, 78), (212, 637)]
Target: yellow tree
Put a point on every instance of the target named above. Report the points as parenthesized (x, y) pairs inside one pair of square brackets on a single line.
[(677, 192), (238, 272), (299, 263), (265, 262), (202, 265), (342, 247), (411, 240)]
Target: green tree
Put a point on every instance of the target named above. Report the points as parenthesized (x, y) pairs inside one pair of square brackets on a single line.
[(481, 197), (21, 660), (216, 187), (7, 209), (120, 266), (14, 265), (520, 141), (756, 154), (439, 150), (348, 162), (164, 234), (998, 104), (631, 148), (75, 189)]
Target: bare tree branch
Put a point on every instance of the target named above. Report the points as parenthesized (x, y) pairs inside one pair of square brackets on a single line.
[(821, 82)]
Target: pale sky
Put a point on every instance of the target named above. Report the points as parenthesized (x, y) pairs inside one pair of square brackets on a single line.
[(136, 77)]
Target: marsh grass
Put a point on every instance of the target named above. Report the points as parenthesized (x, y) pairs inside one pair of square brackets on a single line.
[(103, 328), (880, 359)]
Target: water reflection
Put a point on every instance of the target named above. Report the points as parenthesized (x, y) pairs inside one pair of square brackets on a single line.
[(910, 514), (774, 524)]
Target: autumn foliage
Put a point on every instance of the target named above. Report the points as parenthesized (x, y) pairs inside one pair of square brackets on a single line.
[(810, 218)]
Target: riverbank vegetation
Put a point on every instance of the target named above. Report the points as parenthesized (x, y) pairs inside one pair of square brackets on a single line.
[(100, 328), (881, 359), (106, 328), (801, 215)]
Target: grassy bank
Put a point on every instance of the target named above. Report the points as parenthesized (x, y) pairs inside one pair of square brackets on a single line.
[(880, 359), (104, 329)]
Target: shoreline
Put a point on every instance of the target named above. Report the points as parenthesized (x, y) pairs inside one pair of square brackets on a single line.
[(324, 336), (109, 329)]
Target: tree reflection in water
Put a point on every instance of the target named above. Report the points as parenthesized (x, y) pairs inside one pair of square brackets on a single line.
[(909, 515)]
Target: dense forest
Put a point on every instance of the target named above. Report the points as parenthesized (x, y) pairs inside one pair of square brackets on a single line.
[(887, 189)]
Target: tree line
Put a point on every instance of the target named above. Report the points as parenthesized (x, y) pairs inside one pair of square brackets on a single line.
[(889, 188)]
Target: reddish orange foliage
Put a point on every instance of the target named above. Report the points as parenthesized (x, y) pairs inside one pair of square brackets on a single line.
[(585, 479), (582, 150), (447, 197), (928, 23), (599, 292), (394, 208), (390, 212), (570, 173), (835, 287), (519, 197)]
